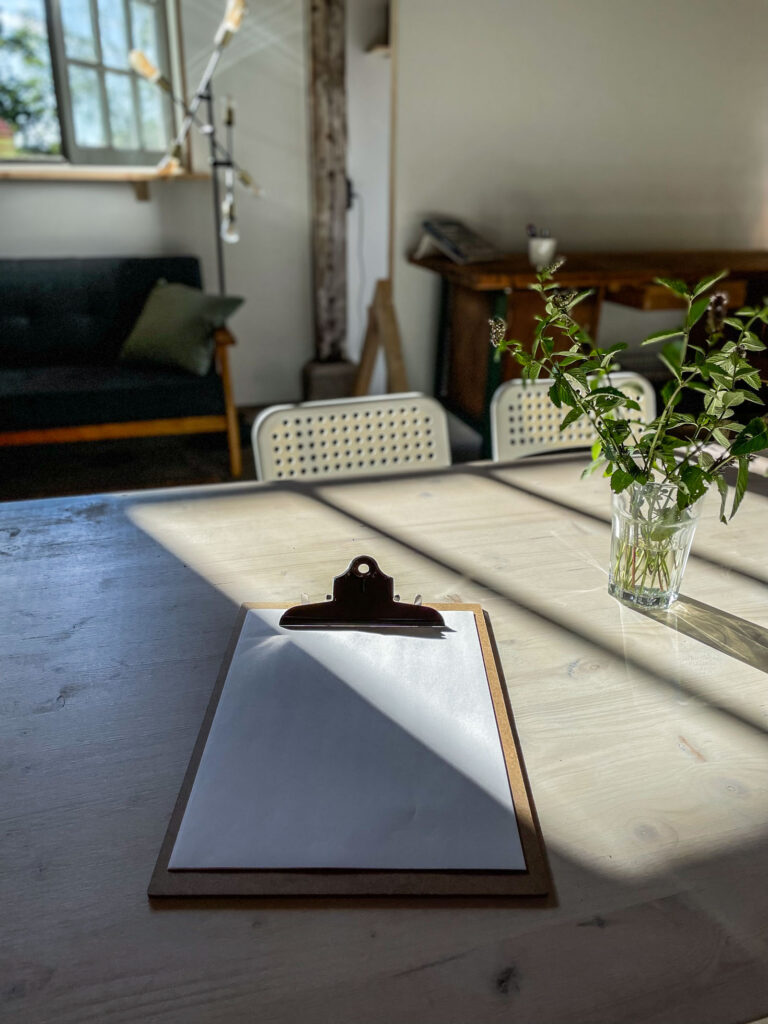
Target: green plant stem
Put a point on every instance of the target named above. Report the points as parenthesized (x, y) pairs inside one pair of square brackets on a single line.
[(664, 418), (592, 417)]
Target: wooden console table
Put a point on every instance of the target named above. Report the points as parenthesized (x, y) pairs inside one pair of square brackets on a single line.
[(466, 373)]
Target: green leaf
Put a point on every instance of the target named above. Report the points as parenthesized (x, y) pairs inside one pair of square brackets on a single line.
[(571, 417), (706, 282), (753, 438), (674, 370), (693, 479), (620, 480), (696, 312), (566, 358), (580, 298), (662, 336), (752, 379), (567, 394), (668, 391), (679, 288), (608, 389), (577, 376), (747, 396), (722, 486), (742, 478), (750, 341), (595, 450), (554, 394), (729, 399), (673, 351)]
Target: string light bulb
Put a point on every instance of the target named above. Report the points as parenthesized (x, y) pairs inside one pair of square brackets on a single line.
[(143, 66), (170, 164), (229, 230), (233, 17), (247, 181)]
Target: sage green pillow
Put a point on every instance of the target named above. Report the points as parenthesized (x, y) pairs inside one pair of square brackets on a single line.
[(176, 327)]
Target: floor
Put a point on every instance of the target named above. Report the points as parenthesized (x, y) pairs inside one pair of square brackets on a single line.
[(48, 471)]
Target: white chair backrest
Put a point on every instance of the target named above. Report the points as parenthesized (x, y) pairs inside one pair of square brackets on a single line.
[(350, 437), (525, 422)]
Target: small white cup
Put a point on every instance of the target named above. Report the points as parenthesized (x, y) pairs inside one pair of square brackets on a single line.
[(541, 251)]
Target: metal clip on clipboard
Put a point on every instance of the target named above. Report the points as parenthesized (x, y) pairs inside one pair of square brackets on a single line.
[(363, 597)]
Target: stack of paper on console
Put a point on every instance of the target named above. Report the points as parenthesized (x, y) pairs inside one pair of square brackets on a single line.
[(352, 749)]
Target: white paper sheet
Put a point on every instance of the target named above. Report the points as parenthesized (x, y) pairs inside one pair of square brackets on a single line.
[(347, 749)]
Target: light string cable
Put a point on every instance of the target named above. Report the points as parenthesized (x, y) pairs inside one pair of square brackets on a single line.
[(229, 230), (143, 66)]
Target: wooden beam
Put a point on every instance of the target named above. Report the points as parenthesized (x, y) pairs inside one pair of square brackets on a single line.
[(328, 116)]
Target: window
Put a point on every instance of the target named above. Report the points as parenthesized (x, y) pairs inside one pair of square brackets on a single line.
[(67, 89)]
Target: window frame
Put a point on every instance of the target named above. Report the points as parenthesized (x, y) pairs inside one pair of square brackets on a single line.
[(110, 156)]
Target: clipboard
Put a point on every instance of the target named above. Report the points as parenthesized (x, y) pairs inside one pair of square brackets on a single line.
[(269, 831)]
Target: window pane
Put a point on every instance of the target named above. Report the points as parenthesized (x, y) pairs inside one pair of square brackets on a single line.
[(29, 126), (78, 29), (122, 116), (112, 29), (151, 104), (144, 28), (86, 107)]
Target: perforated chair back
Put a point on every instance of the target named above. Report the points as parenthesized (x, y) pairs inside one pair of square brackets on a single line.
[(350, 437), (524, 421)]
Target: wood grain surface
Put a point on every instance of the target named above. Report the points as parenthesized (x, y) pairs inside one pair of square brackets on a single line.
[(606, 269), (645, 739)]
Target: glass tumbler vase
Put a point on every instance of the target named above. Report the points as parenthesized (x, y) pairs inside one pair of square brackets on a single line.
[(650, 542)]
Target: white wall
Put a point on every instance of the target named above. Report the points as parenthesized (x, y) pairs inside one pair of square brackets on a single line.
[(620, 124), (265, 70), (369, 77)]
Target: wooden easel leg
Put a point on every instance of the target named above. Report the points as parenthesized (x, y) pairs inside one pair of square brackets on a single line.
[(367, 357), (389, 333), (382, 330)]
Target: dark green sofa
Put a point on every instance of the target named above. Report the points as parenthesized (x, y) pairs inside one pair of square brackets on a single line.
[(62, 325)]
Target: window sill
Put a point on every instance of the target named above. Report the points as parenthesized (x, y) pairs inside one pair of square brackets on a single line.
[(139, 177)]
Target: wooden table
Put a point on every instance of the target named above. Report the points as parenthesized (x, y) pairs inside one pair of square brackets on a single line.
[(645, 737), (466, 374)]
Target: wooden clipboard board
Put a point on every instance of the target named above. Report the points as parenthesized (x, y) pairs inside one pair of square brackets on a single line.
[(534, 881)]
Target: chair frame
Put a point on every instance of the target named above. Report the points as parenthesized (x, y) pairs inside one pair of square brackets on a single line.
[(617, 379), (341, 403)]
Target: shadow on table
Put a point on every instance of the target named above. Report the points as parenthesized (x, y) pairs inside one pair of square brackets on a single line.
[(716, 628), (446, 559), (491, 473)]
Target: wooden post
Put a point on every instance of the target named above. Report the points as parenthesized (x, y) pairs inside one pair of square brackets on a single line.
[(328, 113)]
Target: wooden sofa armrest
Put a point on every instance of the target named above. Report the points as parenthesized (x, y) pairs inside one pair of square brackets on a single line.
[(223, 336)]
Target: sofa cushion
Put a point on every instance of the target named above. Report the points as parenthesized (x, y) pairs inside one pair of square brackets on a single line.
[(61, 396), (175, 328), (71, 312)]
